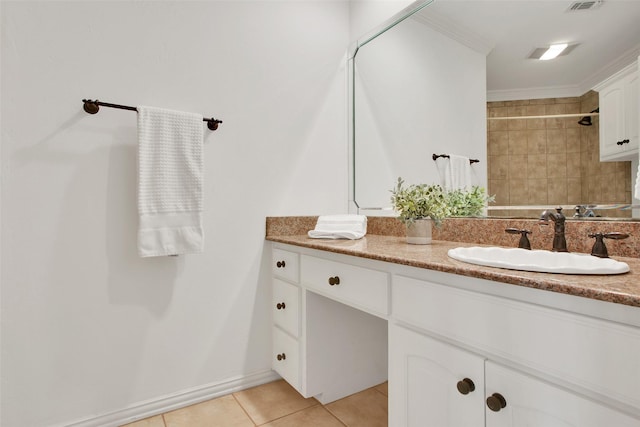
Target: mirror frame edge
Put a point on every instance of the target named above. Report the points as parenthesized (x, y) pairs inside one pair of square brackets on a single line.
[(352, 51)]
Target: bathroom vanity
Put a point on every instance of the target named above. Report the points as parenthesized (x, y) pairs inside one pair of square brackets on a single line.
[(460, 344)]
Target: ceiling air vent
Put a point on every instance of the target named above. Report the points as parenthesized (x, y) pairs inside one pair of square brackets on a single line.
[(585, 5)]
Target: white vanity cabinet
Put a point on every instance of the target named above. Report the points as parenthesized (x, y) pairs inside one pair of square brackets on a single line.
[(569, 351), (436, 384), (329, 336), (286, 316), (619, 115), (461, 351)]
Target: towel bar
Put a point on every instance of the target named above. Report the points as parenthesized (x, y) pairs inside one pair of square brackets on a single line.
[(92, 107), (435, 156)]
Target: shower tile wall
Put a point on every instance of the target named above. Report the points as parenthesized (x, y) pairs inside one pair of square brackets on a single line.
[(551, 161)]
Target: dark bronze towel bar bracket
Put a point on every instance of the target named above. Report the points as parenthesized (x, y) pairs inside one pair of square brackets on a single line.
[(92, 107), (446, 156)]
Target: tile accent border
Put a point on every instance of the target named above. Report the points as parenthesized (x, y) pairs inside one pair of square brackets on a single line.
[(174, 401)]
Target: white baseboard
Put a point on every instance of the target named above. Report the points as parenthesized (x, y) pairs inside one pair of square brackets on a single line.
[(175, 401)]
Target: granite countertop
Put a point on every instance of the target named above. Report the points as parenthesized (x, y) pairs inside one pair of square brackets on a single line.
[(621, 289)]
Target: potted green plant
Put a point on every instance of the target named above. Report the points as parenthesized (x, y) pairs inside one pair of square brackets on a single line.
[(418, 206), (468, 202)]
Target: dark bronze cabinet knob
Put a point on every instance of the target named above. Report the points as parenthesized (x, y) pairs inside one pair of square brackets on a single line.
[(281, 306), (334, 280), (496, 401), (465, 386), (281, 356), (280, 264)]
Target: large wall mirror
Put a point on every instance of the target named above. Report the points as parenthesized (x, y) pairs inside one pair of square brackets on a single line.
[(431, 80)]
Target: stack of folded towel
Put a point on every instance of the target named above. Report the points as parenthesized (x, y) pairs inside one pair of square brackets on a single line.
[(340, 227)]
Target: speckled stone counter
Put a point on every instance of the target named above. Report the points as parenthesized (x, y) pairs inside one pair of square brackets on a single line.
[(621, 289)]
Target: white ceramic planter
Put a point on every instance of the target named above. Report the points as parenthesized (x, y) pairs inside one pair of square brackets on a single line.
[(419, 232)]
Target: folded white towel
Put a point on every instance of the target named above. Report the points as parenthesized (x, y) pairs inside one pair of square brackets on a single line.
[(455, 172), (340, 227), (170, 174)]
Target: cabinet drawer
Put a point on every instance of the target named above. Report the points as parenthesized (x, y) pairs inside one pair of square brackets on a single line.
[(286, 306), (285, 265), (567, 346), (356, 286), (286, 357)]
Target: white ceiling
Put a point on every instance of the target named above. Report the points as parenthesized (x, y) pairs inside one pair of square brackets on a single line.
[(509, 30)]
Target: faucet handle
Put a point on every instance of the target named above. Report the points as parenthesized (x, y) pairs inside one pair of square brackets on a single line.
[(524, 240), (599, 249)]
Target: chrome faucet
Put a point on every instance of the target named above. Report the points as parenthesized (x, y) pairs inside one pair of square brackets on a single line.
[(559, 241), (583, 211)]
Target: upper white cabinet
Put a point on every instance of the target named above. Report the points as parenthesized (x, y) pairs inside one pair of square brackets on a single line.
[(619, 115)]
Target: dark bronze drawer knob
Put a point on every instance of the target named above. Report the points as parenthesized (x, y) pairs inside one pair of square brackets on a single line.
[(496, 401), (280, 306), (465, 386), (280, 264), (334, 280), (281, 356)]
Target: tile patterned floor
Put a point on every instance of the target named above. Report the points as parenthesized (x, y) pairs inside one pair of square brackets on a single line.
[(277, 404)]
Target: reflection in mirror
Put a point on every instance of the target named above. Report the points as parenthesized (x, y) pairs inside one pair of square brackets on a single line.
[(416, 93), (552, 161), (402, 114)]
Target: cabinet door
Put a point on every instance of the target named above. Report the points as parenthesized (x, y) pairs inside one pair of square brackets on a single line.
[(611, 120), (632, 127), (424, 376), (531, 402)]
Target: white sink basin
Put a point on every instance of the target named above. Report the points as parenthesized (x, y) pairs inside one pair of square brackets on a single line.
[(538, 260)]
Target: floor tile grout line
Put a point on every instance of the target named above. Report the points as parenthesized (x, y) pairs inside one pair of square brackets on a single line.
[(290, 413), (336, 416), (255, 424), (243, 409)]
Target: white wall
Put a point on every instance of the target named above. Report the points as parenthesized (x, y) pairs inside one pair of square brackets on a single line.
[(89, 328)]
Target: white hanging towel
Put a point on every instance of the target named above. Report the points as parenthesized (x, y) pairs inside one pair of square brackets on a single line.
[(637, 191), (340, 227), (170, 174), (455, 172)]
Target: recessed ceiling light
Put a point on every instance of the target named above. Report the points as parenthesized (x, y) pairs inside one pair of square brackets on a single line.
[(553, 51), (539, 52)]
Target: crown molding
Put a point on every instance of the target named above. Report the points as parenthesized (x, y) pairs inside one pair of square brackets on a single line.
[(456, 32)]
